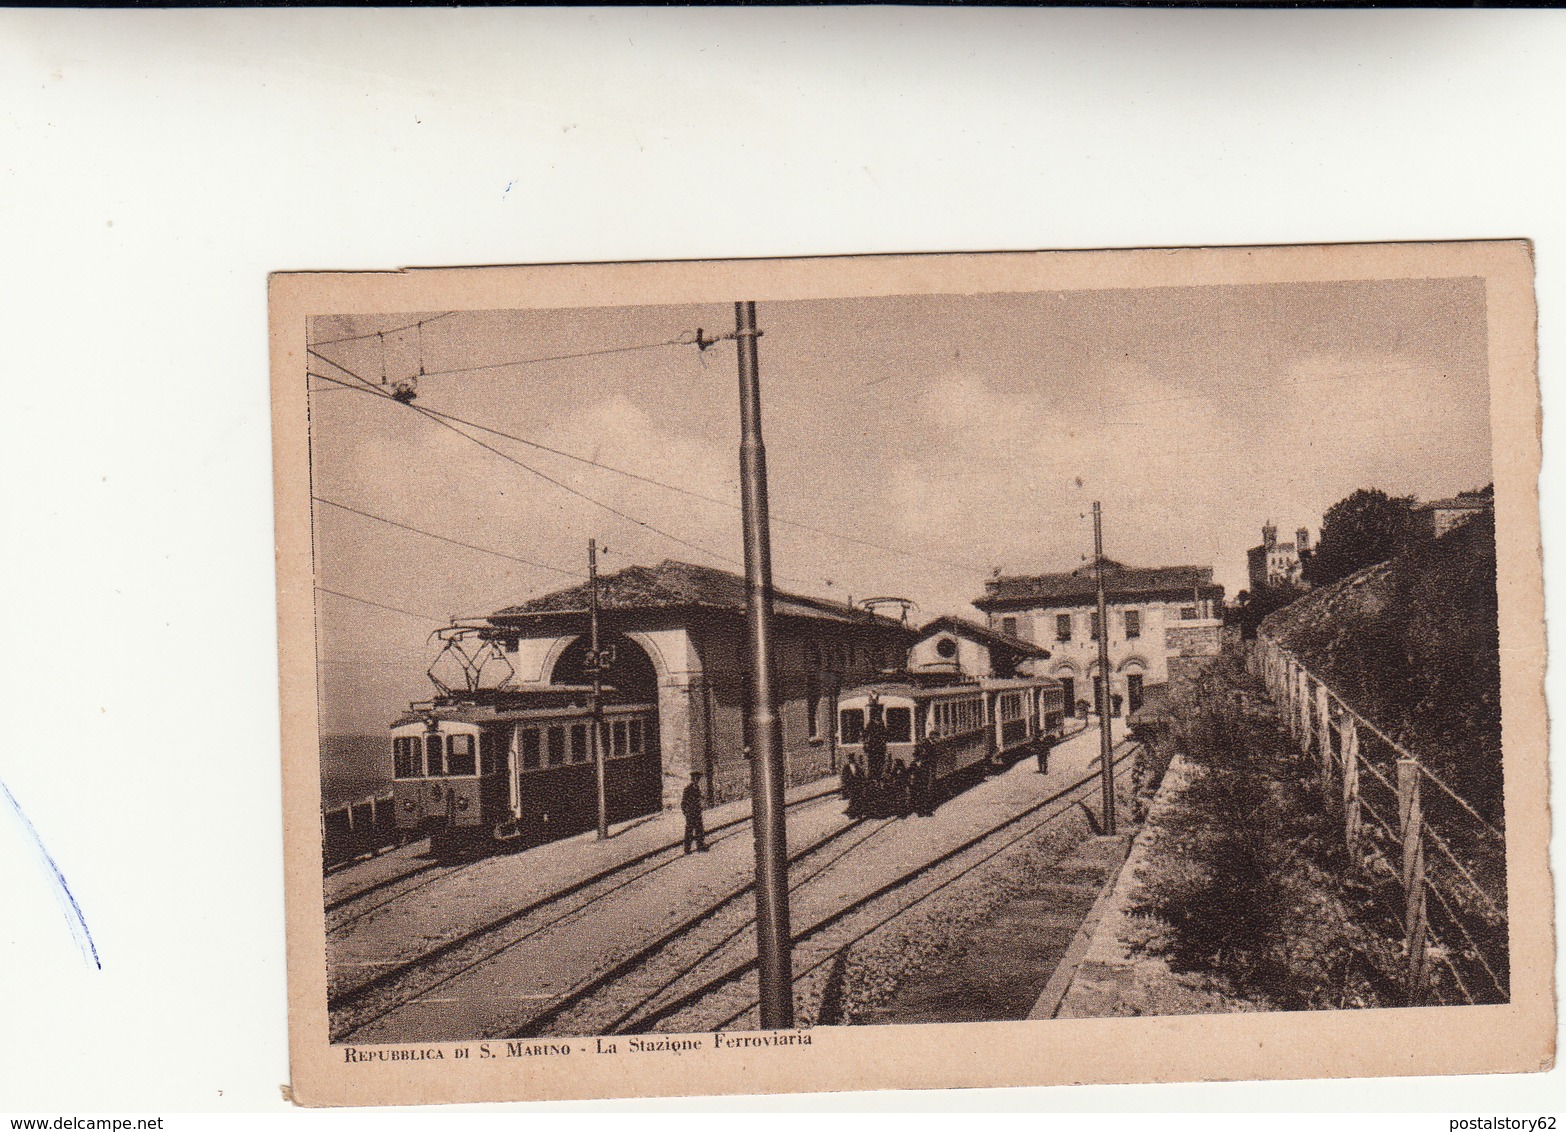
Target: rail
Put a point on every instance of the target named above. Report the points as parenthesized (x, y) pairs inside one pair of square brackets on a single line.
[(1462, 870)]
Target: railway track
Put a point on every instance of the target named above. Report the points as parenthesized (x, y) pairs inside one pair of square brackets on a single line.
[(400, 984), (716, 988), (348, 910)]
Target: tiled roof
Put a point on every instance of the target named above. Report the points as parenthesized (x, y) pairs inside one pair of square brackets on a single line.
[(681, 585), (1120, 581), (962, 627)]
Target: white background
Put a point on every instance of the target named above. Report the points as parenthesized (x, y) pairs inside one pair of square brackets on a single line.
[(155, 166)]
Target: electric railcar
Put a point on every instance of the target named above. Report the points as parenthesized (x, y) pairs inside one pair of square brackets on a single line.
[(519, 769), (931, 735)]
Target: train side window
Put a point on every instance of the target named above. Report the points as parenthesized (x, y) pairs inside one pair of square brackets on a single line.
[(619, 744), (407, 758), (634, 732), (434, 756), (899, 725), (579, 742), (851, 725), (531, 754), (557, 746), (459, 760)]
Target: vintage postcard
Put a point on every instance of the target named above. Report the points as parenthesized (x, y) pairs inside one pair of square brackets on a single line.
[(912, 672)]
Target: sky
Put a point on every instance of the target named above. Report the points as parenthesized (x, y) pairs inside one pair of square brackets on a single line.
[(960, 433)]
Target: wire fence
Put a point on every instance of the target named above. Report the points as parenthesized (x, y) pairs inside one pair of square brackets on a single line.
[(1405, 829)]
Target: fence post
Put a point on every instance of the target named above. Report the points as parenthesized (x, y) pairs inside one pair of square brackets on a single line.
[(1351, 829), (1410, 819), (1289, 688), (1305, 711), (1324, 738)]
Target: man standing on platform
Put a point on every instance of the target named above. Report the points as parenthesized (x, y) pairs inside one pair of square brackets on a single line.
[(690, 805)]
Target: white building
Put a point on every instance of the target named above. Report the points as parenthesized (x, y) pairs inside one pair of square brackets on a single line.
[(1165, 623)]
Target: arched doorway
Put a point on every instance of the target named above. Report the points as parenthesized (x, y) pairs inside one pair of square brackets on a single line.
[(634, 783), (1134, 669), (1066, 673), (632, 676)]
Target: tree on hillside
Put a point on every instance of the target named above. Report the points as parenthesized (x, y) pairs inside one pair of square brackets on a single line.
[(1369, 526), (1250, 608)]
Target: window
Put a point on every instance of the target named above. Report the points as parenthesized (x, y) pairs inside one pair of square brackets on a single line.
[(1009, 626), (851, 725), (459, 759), (899, 725), (1063, 626), (619, 745), (1094, 621), (406, 758), (1188, 613), (1068, 689), (531, 759), (579, 742), (634, 731), (434, 756), (557, 746), (1133, 623), (946, 648)]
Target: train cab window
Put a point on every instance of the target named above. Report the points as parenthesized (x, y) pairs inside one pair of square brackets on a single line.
[(406, 752), (459, 759), (557, 746), (851, 725), (634, 736), (899, 725), (579, 742), (434, 755), (617, 739), (531, 753)]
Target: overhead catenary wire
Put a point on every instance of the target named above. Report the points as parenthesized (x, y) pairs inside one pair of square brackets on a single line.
[(682, 340), (509, 458), (452, 541), (383, 605), (945, 563), (393, 330)]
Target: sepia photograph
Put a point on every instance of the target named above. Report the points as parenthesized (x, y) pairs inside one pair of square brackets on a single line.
[(1043, 641)]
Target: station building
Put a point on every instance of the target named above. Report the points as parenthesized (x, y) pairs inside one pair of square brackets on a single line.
[(1165, 624), (678, 634), (957, 647)]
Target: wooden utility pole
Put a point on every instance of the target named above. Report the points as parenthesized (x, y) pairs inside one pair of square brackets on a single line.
[(773, 938), (595, 664), (1105, 743)]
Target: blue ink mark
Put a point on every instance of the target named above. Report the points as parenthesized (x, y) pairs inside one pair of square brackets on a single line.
[(507, 188), (72, 910)]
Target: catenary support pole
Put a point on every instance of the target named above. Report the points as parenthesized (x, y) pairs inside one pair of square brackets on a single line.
[(595, 662), (773, 941), (1105, 699)]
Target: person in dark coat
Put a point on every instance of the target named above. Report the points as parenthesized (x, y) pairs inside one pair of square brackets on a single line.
[(874, 740), (691, 806), (851, 788), (1043, 754)]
